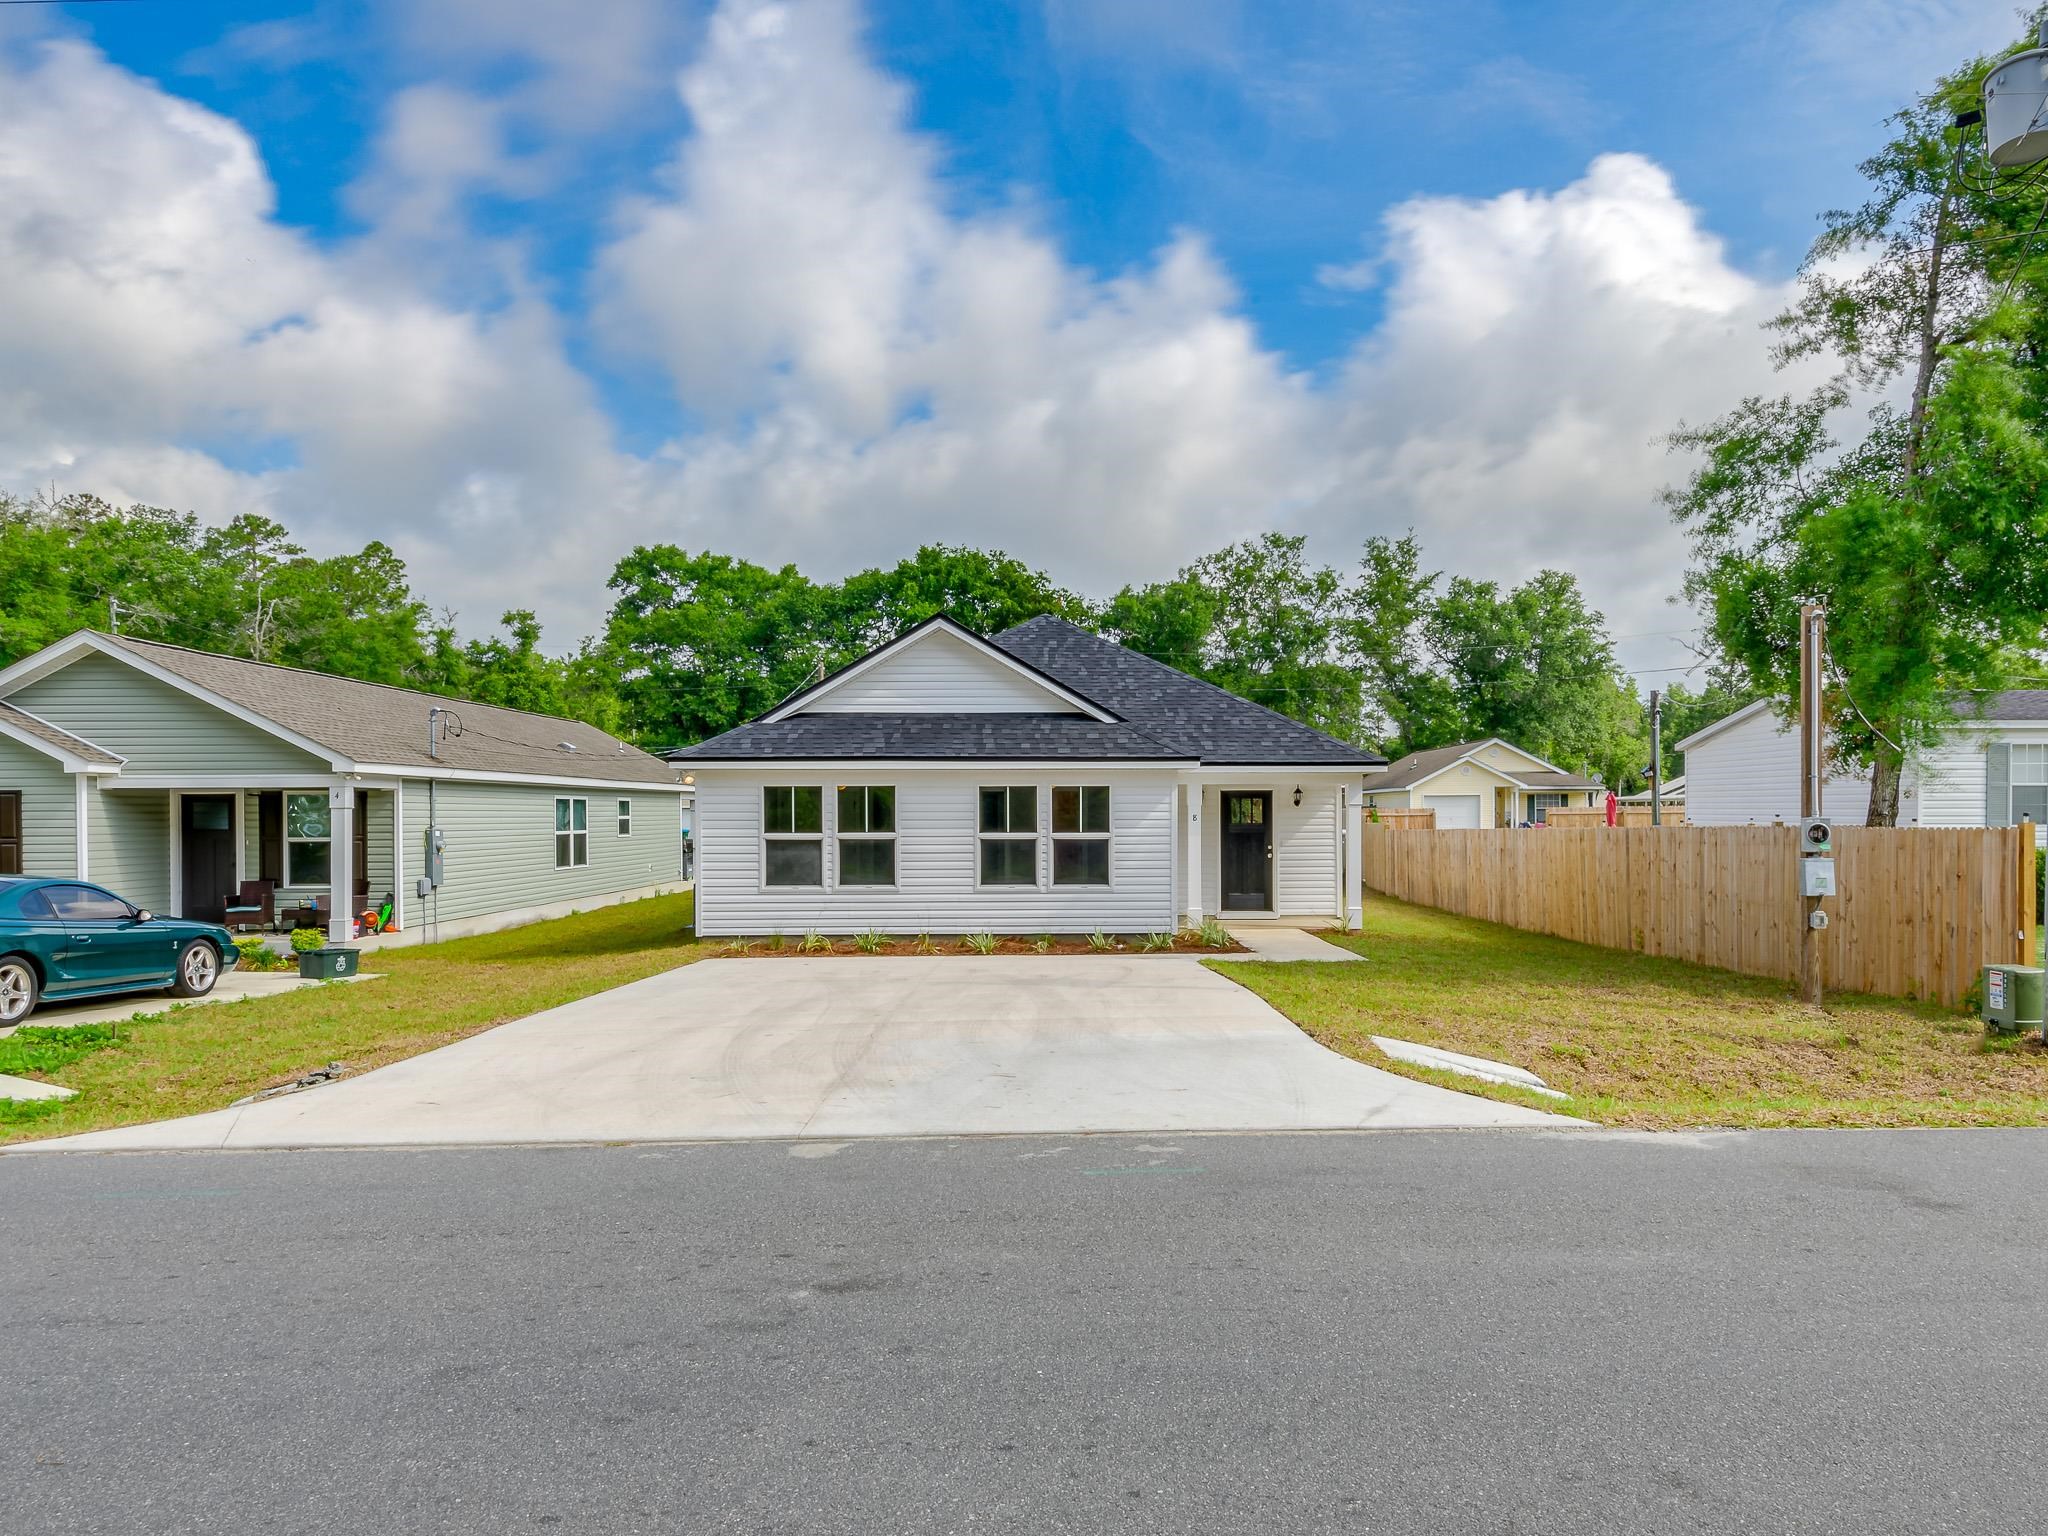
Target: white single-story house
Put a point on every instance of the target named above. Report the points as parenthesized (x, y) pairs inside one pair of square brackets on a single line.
[(1476, 784), (1988, 771), (1671, 795), (1040, 780), (212, 787)]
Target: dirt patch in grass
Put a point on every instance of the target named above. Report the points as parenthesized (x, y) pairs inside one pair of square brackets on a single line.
[(1641, 1041), (189, 1060)]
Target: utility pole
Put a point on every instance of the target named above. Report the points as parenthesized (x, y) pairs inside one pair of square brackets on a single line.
[(1656, 757), (1812, 752), (113, 615)]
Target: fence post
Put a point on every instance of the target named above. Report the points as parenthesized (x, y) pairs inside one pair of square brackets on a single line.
[(2028, 915)]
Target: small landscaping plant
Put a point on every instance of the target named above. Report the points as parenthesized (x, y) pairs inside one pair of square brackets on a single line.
[(1213, 934), (814, 943), (1042, 944), (259, 956), (1101, 942), (1156, 941), (739, 946), (924, 945), (870, 942), (776, 941), (306, 940), (980, 943)]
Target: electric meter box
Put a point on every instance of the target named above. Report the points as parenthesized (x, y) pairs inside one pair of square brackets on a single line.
[(2012, 997), (1816, 877), (1816, 835)]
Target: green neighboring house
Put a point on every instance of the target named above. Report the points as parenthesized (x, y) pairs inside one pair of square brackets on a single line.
[(181, 779)]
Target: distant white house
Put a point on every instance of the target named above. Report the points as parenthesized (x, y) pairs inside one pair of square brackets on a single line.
[(1987, 772)]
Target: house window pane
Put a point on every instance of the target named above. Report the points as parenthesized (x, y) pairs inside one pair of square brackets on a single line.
[(881, 808), (565, 849), (853, 808), (1095, 808), (625, 818), (777, 810), (867, 861), (1066, 810), (1009, 861), (581, 812), (307, 816), (580, 843), (995, 810), (308, 863), (561, 815), (808, 801), (796, 863), (2030, 803), (2029, 763), (1080, 861)]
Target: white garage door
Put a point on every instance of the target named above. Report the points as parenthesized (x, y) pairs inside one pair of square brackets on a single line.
[(1454, 811)]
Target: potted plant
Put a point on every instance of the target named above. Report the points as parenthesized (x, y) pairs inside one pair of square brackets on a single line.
[(317, 960)]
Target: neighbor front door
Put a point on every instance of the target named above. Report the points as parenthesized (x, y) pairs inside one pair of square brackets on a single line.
[(207, 834), (1247, 853)]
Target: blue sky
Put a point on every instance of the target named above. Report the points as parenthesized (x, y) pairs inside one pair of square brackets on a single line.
[(1104, 283)]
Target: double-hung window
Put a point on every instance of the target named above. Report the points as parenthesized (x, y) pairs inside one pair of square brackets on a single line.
[(625, 818), (572, 832), (867, 834), (1009, 835), (1543, 802), (1080, 834), (793, 830), (308, 840), (2030, 783)]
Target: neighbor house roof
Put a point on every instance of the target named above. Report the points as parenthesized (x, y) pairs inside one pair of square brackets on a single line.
[(1194, 718), (19, 723), (1018, 738), (2010, 706), (1417, 766), (373, 724)]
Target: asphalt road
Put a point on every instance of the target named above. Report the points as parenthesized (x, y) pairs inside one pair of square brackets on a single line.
[(1464, 1333)]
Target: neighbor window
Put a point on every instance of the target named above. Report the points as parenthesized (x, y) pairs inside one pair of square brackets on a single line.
[(1009, 835), (1542, 803), (867, 834), (308, 834), (1080, 835), (2030, 783), (793, 825), (572, 832), (625, 818)]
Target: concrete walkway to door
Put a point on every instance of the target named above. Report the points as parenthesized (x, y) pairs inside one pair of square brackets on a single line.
[(852, 1046)]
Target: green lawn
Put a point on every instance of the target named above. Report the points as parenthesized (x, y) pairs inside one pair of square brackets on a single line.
[(1645, 1042), (188, 1060)]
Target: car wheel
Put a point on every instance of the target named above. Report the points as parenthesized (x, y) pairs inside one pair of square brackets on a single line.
[(198, 969), (18, 990)]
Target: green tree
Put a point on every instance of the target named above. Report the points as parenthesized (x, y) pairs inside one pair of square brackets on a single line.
[(1410, 704), (1924, 530), (1278, 633), (986, 590)]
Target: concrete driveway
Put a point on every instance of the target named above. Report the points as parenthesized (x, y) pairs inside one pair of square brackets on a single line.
[(848, 1047)]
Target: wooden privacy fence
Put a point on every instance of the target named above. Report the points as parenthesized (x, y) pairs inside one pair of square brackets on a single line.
[(1423, 818), (1596, 816), (1917, 914)]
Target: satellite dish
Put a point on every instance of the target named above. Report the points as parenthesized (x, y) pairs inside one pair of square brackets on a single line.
[(2016, 108)]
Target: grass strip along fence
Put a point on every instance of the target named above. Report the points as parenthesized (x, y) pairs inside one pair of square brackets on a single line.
[(1919, 912)]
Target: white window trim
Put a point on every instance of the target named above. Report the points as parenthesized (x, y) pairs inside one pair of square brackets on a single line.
[(1106, 837), (1040, 801), (826, 817), (625, 821), (284, 811), (572, 801), (840, 836)]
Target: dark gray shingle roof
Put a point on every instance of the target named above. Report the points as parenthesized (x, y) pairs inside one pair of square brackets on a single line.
[(1195, 718), (2017, 704), (374, 723), (1022, 738), (1417, 766)]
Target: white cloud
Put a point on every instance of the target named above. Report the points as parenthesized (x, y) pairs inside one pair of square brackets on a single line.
[(873, 367)]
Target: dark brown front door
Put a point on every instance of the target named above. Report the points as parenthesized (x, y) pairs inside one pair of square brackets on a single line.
[(1247, 853), (10, 831), (206, 832)]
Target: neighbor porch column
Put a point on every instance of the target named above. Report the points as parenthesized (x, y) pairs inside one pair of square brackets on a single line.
[(341, 848), (1191, 854), (1354, 851)]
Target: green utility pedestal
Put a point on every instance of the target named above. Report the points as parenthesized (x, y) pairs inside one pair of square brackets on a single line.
[(2012, 997)]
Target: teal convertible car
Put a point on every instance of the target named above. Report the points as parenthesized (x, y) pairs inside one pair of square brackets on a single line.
[(67, 939)]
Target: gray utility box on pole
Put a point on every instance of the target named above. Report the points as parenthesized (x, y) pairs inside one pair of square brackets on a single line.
[(2012, 998)]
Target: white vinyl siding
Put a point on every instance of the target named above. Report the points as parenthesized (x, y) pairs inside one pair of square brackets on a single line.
[(157, 728), (1306, 850), (939, 674), (937, 858), (1750, 773), (49, 809)]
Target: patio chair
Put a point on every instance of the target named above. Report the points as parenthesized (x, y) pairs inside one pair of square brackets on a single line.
[(253, 906)]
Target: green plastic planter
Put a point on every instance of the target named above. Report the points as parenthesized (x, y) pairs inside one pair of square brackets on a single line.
[(330, 964)]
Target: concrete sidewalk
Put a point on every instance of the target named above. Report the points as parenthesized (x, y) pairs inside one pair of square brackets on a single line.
[(850, 1046), (231, 988), (1268, 941)]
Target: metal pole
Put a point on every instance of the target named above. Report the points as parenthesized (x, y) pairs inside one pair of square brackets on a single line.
[(1656, 757), (1812, 739)]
